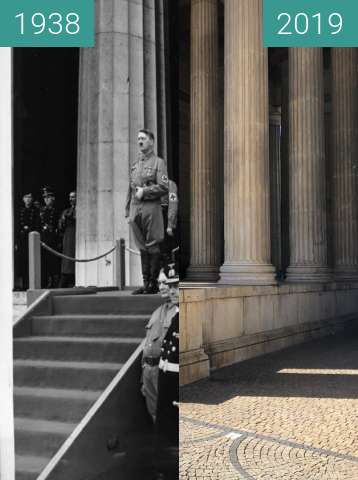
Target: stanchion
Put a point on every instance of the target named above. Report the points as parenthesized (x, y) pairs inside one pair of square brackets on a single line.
[(34, 261), (121, 263)]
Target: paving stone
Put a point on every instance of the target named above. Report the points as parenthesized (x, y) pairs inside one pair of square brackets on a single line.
[(290, 415)]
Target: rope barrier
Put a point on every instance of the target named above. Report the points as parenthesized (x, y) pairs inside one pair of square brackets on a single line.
[(55, 252), (77, 259)]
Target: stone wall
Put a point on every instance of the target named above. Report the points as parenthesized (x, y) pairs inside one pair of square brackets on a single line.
[(224, 325)]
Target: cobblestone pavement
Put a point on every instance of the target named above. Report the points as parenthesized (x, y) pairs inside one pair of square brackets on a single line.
[(291, 415)]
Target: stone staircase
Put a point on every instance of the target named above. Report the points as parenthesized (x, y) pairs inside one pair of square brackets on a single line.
[(62, 368)]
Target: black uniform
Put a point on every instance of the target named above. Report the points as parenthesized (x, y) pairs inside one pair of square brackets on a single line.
[(50, 264), (168, 385), (29, 221)]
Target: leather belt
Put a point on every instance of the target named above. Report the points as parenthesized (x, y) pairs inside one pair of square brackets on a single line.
[(151, 361)]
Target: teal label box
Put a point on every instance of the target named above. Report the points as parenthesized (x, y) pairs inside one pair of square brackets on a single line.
[(310, 23), (47, 23)]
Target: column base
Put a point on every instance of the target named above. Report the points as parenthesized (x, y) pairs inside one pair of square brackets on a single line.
[(202, 273), (247, 274), (308, 274), (346, 273)]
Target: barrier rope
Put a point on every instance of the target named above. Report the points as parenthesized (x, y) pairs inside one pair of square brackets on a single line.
[(76, 259), (83, 260)]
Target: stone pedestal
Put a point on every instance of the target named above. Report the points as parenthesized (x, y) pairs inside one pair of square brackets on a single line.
[(345, 162), (308, 237), (246, 152), (205, 208), (117, 97)]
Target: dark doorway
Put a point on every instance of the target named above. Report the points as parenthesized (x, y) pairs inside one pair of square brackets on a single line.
[(45, 111), (45, 103)]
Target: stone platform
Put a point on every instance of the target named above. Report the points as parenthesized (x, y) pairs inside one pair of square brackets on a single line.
[(222, 325)]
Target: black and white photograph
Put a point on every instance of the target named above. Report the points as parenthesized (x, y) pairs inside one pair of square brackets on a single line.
[(95, 251)]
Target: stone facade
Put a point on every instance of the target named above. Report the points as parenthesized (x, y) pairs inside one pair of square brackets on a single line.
[(121, 90), (289, 250)]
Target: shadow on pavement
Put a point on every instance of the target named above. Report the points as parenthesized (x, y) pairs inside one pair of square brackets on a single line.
[(322, 368)]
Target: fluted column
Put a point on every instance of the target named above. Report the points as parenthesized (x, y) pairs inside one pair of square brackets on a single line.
[(345, 162), (205, 226), (246, 170), (117, 97), (308, 235)]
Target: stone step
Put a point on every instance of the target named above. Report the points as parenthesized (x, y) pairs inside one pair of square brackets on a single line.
[(29, 467), (99, 349), (107, 304), (36, 435), (90, 325), (64, 374), (65, 405)]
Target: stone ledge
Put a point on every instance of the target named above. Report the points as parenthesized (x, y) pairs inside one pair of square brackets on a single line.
[(194, 365), (201, 293), (239, 349)]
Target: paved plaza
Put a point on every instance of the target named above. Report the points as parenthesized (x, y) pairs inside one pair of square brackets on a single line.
[(289, 415)]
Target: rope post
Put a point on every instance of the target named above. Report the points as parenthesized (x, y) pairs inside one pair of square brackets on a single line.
[(34, 261), (121, 263)]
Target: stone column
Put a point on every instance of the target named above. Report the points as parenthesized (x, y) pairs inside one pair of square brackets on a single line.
[(308, 236), (117, 97), (345, 162), (246, 169), (205, 226), (275, 188)]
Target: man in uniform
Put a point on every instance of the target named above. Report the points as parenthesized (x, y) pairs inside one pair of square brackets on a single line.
[(167, 416), (156, 330), (148, 183), (170, 215), (67, 226), (50, 265), (29, 221)]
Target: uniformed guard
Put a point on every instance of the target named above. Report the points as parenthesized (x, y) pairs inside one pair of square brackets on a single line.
[(168, 380), (49, 217), (28, 221), (170, 215), (148, 183), (67, 227), (167, 416), (156, 330)]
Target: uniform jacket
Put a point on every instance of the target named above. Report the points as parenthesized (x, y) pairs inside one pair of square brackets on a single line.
[(29, 220), (49, 220), (157, 328), (150, 173), (170, 348)]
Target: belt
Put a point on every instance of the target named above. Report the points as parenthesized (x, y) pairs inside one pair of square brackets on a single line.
[(151, 361), (168, 366)]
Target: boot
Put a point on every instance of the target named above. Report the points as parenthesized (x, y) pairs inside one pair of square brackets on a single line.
[(145, 261), (154, 273)]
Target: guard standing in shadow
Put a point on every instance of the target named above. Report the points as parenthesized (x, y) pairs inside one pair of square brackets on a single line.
[(148, 183), (67, 226), (170, 204), (49, 217), (28, 221)]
